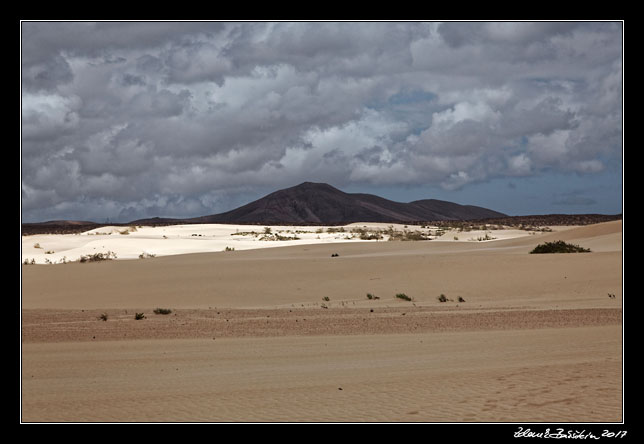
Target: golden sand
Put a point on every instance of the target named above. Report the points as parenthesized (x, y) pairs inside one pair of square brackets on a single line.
[(288, 334)]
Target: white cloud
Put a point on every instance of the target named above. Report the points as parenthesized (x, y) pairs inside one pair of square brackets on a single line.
[(48, 115), (133, 110), (519, 165)]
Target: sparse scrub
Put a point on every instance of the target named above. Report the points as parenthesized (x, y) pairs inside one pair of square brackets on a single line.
[(365, 234), (335, 255), (407, 235), (245, 233), (37, 245), (96, 257), (484, 238), (229, 249), (372, 296), (139, 316), (277, 237), (403, 296), (49, 252), (442, 298), (460, 299), (163, 311), (28, 262), (145, 255), (558, 247), (103, 317), (326, 298)]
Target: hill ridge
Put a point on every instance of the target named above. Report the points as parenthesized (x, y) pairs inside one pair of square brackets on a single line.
[(321, 203)]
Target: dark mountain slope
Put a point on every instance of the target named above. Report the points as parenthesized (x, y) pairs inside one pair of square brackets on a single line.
[(319, 203)]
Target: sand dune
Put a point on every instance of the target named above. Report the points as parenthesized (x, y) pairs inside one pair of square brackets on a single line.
[(132, 242), (486, 274), (489, 376), (288, 334)]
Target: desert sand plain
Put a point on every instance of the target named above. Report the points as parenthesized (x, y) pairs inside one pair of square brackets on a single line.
[(288, 334)]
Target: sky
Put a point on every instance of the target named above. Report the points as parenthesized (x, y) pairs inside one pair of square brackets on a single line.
[(127, 120)]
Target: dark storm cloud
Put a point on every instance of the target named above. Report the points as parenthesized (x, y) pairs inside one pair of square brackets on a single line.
[(177, 118)]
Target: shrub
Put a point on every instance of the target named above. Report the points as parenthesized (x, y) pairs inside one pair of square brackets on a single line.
[(103, 317), (163, 311), (37, 245), (139, 316), (558, 247), (484, 238), (326, 298), (98, 257), (407, 235), (229, 249), (403, 296), (442, 298), (460, 299), (335, 255), (145, 255)]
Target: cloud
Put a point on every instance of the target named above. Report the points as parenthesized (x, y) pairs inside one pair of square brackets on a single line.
[(190, 116), (47, 116)]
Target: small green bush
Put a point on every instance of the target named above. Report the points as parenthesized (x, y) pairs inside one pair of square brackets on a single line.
[(163, 311), (403, 296), (558, 247), (139, 316), (442, 298)]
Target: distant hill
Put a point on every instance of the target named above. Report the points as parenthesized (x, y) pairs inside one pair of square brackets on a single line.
[(58, 227), (321, 204)]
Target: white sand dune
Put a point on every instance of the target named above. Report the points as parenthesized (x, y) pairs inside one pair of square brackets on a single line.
[(132, 242)]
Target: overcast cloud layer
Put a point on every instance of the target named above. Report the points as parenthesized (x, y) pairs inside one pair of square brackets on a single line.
[(130, 120)]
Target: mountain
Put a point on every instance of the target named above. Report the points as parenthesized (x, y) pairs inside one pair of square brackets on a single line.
[(319, 203), (57, 226)]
